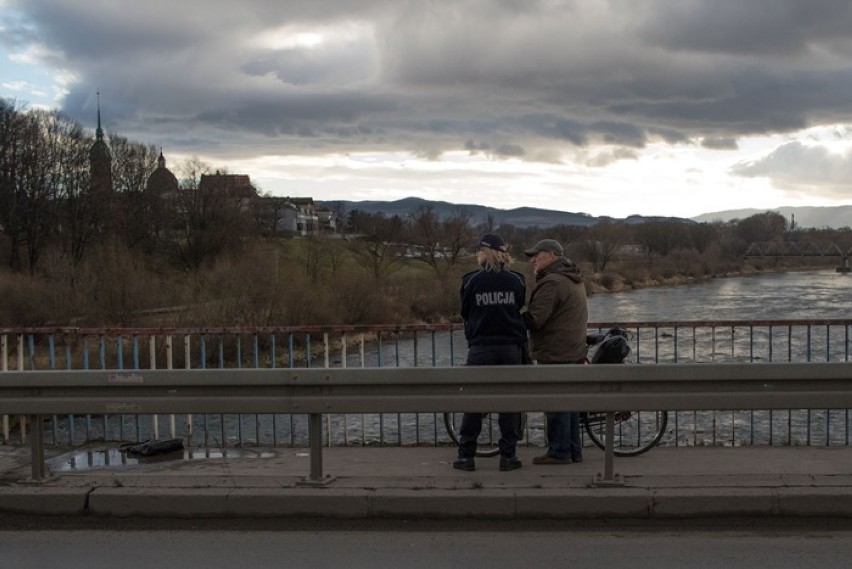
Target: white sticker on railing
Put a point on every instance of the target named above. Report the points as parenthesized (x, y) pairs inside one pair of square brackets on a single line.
[(125, 378)]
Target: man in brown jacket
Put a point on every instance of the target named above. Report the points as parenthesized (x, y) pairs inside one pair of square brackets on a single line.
[(557, 319)]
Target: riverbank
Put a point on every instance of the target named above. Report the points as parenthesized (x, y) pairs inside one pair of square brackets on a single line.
[(622, 279)]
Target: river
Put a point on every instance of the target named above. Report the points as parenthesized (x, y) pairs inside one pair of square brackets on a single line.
[(780, 296)]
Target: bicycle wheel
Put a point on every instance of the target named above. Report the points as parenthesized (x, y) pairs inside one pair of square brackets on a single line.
[(635, 431), (486, 445)]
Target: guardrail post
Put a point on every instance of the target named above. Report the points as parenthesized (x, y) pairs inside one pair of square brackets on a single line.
[(315, 435), (315, 442), (609, 479), (37, 446)]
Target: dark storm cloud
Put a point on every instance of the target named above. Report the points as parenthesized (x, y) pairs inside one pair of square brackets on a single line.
[(514, 79), (555, 127), (320, 110), (749, 28)]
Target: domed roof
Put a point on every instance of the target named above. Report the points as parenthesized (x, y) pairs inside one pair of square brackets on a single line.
[(161, 180)]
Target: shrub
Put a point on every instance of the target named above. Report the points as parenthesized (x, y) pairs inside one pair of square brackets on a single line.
[(23, 300)]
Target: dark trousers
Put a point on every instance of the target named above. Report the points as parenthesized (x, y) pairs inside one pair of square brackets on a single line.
[(509, 423), (563, 435), (563, 432)]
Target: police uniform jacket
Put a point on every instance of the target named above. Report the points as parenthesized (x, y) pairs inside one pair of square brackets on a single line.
[(490, 305)]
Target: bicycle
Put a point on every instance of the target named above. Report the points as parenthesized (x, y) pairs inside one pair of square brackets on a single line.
[(636, 432)]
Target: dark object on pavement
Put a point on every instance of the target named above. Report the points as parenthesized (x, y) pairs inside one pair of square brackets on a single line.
[(150, 448)]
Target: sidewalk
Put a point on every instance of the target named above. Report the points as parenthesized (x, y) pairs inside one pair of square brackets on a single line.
[(420, 483)]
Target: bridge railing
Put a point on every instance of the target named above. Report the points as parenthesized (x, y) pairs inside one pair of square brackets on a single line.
[(406, 346), (318, 392)]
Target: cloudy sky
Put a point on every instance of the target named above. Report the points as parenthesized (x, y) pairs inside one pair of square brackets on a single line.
[(620, 107)]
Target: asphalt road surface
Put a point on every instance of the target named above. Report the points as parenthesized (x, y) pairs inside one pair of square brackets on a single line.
[(91, 543)]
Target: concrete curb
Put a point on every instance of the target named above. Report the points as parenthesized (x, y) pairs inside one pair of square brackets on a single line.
[(38, 500), (626, 503)]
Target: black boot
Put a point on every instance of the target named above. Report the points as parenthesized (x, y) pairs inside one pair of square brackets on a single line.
[(510, 463)]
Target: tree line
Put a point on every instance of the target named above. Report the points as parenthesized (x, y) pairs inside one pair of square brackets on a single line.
[(52, 212), (206, 256)]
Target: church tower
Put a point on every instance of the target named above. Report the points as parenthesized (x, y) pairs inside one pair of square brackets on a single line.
[(100, 163)]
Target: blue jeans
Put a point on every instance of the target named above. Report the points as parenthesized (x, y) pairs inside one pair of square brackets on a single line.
[(509, 423), (563, 435)]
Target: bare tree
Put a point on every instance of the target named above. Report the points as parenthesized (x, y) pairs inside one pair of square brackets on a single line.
[(45, 144), (662, 237), (265, 213), (335, 252), (208, 219), (425, 235), (78, 227), (136, 212), (313, 260), (767, 226), (11, 149), (703, 235), (440, 243), (378, 246), (339, 210), (601, 244), (457, 234), (490, 223)]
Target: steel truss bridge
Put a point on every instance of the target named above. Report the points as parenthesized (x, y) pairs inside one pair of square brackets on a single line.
[(800, 249)]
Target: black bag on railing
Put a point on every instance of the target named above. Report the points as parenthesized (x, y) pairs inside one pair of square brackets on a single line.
[(613, 349)]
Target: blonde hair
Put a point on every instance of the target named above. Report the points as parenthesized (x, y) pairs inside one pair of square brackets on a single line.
[(494, 260)]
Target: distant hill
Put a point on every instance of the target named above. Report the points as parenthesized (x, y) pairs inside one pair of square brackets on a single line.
[(519, 217), (806, 216)]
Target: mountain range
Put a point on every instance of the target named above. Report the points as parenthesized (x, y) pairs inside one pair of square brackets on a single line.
[(806, 216), (519, 217)]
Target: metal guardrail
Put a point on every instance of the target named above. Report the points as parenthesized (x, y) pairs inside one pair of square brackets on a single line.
[(416, 345), (379, 390)]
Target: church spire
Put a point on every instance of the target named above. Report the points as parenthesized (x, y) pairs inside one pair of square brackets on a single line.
[(100, 161), (99, 133)]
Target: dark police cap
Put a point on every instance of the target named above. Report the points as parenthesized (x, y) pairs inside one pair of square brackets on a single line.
[(493, 241), (551, 245)]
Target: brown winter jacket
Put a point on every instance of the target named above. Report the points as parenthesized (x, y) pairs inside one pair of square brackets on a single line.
[(556, 314)]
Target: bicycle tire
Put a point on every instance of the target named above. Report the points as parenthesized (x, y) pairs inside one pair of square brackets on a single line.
[(488, 437), (638, 433)]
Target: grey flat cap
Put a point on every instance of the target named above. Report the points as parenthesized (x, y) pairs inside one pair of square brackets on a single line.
[(551, 245)]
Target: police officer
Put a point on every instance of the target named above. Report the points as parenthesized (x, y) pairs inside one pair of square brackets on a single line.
[(491, 301)]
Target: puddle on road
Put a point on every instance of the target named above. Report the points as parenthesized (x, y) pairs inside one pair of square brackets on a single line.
[(77, 461)]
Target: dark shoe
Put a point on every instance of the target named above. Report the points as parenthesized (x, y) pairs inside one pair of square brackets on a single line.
[(510, 463), (547, 459), (467, 464), (577, 458)]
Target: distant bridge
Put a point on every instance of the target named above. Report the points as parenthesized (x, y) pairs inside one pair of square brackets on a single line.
[(800, 249)]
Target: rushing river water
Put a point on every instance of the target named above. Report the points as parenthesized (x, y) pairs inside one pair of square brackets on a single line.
[(783, 296)]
